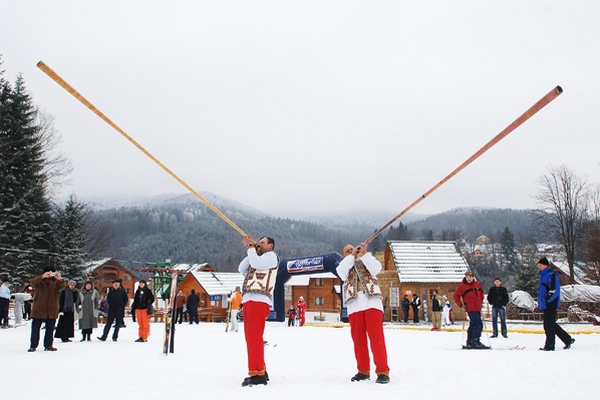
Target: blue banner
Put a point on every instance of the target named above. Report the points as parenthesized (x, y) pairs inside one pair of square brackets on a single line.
[(305, 265)]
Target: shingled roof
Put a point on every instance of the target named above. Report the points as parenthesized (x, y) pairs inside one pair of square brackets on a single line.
[(428, 261), (215, 283)]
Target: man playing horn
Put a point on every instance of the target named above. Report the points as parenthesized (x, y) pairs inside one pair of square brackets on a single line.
[(260, 269), (358, 270)]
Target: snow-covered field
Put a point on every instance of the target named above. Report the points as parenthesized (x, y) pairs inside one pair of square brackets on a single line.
[(304, 363)]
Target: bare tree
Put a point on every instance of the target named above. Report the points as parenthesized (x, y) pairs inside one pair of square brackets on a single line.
[(99, 235), (57, 166), (591, 241), (562, 210)]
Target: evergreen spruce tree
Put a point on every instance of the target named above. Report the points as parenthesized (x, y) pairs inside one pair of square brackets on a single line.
[(378, 244), (508, 249), (528, 275), (25, 211), (70, 237)]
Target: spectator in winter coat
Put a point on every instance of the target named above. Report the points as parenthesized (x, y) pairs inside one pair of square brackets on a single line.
[(437, 305), (405, 307), (29, 290), (193, 301), (291, 314), (142, 298), (180, 301), (446, 321), (4, 302), (235, 301), (45, 307), (117, 301), (87, 310), (415, 304), (358, 270), (260, 269), (549, 301), (301, 306), (469, 296), (498, 298), (68, 300)]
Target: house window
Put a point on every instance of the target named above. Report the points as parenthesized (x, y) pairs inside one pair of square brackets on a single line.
[(319, 282), (319, 301), (126, 278)]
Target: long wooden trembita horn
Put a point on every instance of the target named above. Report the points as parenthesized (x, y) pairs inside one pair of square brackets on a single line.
[(554, 93), (48, 71)]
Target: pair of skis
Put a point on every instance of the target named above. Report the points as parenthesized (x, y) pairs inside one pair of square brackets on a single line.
[(228, 318), (170, 317), (517, 347)]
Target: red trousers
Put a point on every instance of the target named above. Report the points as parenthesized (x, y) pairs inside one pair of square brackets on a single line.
[(363, 324), (143, 321), (255, 318)]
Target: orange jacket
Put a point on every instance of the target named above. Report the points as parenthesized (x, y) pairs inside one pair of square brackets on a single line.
[(235, 299)]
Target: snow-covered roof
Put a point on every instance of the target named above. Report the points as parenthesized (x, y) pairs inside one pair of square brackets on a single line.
[(189, 267), (564, 267), (303, 280), (219, 282), (95, 264), (436, 261)]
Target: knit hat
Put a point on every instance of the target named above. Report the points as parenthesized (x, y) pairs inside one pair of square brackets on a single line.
[(544, 261), (71, 282)]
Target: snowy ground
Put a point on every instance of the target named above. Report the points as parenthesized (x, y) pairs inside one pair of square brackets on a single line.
[(304, 363)]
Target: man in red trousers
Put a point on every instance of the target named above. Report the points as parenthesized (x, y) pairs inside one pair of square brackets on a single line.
[(358, 270), (260, 269)]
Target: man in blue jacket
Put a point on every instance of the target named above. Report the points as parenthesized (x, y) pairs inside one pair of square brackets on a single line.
[(549, 301)]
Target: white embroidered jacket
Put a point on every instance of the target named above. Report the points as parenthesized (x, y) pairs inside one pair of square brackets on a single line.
[(261, 274)]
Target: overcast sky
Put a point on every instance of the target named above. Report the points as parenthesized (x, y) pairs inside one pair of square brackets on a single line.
[(315, 105)]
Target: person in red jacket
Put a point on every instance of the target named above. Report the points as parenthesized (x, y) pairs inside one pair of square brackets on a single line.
[(301, 306), (469, 296)]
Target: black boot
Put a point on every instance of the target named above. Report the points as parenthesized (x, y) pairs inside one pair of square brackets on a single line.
[(255, 380)]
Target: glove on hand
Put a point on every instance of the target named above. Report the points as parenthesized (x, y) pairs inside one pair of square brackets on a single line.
[(464, 307)]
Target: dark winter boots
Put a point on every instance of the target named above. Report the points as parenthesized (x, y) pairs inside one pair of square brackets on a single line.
[(255, 380), (360, 377), (476, 345)]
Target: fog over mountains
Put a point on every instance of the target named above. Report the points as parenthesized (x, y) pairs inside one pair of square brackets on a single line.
[(185, 230)]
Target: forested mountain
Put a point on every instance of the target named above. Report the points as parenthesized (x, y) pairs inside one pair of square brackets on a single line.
[(184, 230), (474, 222)]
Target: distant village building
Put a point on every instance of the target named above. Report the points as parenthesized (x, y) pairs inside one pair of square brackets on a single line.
[(320, 291), (412, 267), (213, 288), (103, 272)]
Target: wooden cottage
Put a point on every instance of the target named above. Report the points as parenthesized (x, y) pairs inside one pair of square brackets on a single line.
[(103, 272), (420, 268), (213, 288), (320, 291)]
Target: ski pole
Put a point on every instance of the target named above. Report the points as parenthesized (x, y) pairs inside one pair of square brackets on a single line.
[(462, 336), (554, 93), (54, 76)]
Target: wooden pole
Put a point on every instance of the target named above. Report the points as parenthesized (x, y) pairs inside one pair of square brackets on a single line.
[(554, 93), (54, 76)]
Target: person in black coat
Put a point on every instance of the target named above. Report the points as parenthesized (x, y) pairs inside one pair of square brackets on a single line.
[(142, 298), (68, 300), (498, 298), (405, 307), (193, 301), (415, 304), (117, 301)]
